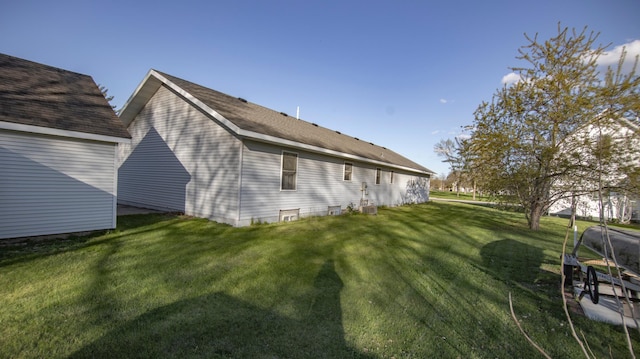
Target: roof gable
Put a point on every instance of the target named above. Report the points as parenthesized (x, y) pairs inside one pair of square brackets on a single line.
[(33, 94), (250, 120)]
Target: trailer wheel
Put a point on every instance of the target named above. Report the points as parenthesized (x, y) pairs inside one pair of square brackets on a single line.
[(591, 284)]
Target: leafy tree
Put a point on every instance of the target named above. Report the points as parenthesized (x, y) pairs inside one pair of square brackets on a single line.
[(438, 182), (451, 151), (525, 140), (460, 159), (105, 91), (469, 163)]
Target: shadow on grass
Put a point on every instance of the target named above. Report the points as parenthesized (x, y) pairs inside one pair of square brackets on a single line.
[(512, 261), (219, 326), (35, 248)]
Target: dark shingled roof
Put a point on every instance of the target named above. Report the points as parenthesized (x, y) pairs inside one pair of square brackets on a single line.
[(251, 117), (40, 95)]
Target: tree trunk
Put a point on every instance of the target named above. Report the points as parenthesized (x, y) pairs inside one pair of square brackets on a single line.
[(474, 189), (535, 213), (574, 210)]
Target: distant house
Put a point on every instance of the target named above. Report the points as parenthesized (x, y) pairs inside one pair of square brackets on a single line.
[(58, 141), (210, 155), (617, 204)]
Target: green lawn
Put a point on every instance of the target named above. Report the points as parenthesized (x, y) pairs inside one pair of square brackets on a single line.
[(460, 196), (418, 281)]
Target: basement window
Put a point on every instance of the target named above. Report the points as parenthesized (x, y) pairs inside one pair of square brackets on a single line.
[(288, 215)]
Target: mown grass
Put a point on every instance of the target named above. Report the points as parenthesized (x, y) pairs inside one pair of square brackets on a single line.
[(459, 196), (417, 281)]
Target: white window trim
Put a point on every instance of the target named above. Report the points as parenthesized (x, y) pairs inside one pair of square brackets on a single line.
[(282, 170), (344, 171)]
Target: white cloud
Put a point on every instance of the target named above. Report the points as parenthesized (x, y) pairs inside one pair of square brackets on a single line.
[(435, 132), (511, 78), (611, 58), (442, 100)]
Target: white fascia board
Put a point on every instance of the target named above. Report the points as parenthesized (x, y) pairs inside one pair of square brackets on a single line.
[(130, 106), (151, 82), (62, 133), (230, 125), (280, 141)]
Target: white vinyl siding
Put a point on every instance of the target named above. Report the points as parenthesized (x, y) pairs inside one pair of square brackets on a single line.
[(180, 159), (261, 197), (153, 177), (320, 185), (52, 185)]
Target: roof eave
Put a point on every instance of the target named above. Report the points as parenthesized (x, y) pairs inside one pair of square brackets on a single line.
[(280, 141), (148, 87), (62, 133), (142, 94)]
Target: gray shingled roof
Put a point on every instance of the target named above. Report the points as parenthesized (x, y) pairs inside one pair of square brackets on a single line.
[(259, 119), (40, 95)]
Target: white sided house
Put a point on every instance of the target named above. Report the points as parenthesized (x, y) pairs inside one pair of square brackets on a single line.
[(58, 146), (207, 154), (622, 139)]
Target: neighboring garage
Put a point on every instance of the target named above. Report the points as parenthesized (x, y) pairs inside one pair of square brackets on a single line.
[(58, 141)]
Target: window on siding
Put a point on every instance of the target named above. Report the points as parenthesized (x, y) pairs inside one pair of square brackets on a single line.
[(289, 170), (378, 173), (348, 170), (391, 177)]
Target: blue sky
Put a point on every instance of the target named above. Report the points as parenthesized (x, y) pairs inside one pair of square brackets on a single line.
[(401, 74)]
